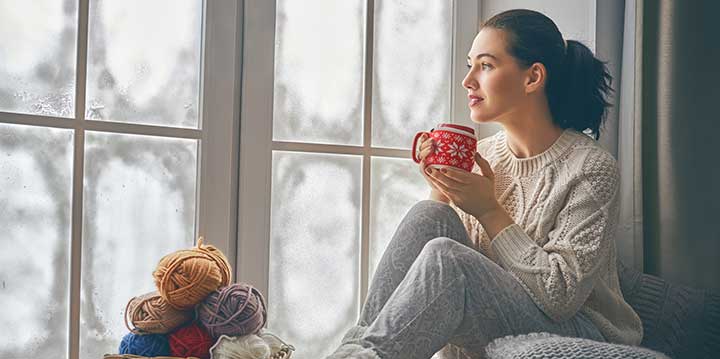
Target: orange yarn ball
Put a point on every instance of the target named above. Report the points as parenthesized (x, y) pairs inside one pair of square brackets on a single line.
[(151, 314), (185, 277)]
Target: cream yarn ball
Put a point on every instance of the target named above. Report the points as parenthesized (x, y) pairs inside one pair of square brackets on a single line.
[(263, 345)]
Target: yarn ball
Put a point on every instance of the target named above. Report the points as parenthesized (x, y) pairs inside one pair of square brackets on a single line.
[(190, 341), (263, 345), (185, 277), (245, 347), (235, 310), (150, 345), (151, 314)]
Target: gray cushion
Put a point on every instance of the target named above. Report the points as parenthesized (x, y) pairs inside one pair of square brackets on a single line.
[(680, 321), (551, 346)]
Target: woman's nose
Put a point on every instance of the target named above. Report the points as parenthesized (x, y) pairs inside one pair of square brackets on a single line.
[(469, 83)]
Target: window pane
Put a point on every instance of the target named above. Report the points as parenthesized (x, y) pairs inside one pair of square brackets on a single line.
[(35, 212), (319, 51), (144, 61), (139, 204), (314, 249), (37, 48), (411, 83), (395, 187)]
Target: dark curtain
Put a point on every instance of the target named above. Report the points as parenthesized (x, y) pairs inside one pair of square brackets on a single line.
[(680, 140)]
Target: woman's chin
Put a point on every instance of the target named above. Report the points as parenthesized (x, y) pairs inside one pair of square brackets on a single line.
[(480, 119)]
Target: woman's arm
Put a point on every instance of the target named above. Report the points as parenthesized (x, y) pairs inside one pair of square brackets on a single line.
[(561, 274)]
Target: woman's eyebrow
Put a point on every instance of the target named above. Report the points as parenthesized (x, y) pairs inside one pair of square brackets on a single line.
[(483, 54)]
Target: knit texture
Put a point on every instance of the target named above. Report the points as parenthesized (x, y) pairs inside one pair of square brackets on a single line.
[(561, 247), (680, 321), (353, 351), (550, 346)]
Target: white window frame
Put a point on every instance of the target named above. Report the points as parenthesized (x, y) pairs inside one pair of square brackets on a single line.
[(256, 144), (218, 139)]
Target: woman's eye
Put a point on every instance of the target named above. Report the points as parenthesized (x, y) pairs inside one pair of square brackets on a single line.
[(483, 65)]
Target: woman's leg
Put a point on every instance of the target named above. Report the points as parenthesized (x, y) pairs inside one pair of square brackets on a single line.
[(425, 221), (454, 294), (450, 293)]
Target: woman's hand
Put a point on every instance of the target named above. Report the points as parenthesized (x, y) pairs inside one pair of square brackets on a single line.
[(473, 193), (427, 146)]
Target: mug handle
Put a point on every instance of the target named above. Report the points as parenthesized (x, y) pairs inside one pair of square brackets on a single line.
[(414, 145)]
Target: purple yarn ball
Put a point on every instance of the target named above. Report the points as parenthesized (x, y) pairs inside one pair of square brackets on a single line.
[(151, 345), (235, 310)]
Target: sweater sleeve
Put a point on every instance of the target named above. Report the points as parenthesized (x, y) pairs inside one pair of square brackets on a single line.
[(560, 274)]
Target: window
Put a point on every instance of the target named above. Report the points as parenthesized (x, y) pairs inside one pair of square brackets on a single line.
[(332, 96), (118, 134)]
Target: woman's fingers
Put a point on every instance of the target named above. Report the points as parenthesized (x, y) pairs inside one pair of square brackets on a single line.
[(457, 175), (446, 181), (424, 153), (426, 148), (485, 168)]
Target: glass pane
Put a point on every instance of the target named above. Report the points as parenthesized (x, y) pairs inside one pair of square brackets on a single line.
[(139, 204), (37, 46), (35, 212), (411, 83), (314, 249), (396, 185), (144, 61), (319, 51)]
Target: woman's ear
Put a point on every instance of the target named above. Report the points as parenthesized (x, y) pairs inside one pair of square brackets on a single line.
[(536, 75)]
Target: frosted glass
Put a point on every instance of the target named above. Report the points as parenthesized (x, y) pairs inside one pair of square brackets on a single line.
[(139, 204), (35, 212), (37, 50), (411, 80), (396, 185), (144, 61), (314, 249), (319, 57)]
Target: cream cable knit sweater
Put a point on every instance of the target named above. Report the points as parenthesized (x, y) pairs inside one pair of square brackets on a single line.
[(562, 247)]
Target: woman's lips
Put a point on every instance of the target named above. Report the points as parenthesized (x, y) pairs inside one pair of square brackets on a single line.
[(474, 102)]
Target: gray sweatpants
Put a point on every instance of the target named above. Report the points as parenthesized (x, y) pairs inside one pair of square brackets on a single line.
[(431, 288)]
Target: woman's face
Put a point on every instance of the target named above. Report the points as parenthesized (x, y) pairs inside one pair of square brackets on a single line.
[(494, 77)]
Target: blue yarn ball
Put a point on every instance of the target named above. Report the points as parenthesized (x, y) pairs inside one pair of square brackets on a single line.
[(150, 345)]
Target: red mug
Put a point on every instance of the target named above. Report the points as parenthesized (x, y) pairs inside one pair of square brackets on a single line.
[(455, 146)]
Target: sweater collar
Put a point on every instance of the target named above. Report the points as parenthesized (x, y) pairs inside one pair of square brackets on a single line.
[(526, 166)]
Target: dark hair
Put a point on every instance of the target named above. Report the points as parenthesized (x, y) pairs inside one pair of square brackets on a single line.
[(577, 83)]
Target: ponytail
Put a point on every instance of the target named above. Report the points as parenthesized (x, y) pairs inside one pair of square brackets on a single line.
[(578, 84), (578, 95)]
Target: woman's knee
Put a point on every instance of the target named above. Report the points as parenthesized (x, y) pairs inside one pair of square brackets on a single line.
[(434, 210), (441, 246), (448, 248)]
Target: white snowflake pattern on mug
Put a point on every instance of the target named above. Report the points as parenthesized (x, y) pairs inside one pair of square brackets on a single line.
[(457, 150)]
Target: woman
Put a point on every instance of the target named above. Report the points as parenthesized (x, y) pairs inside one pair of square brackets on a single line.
[(526, 243)]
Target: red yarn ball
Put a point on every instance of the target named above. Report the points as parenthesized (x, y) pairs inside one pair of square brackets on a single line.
[(190, 341)]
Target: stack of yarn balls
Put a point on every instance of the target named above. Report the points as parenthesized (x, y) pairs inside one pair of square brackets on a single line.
[(194, 309)]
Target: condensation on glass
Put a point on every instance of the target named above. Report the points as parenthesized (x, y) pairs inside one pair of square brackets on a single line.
[(411, 79), (144, 61), (35, 215), (314, 249), (319, 52), (396, 185), (139, 204), (37, 57)]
